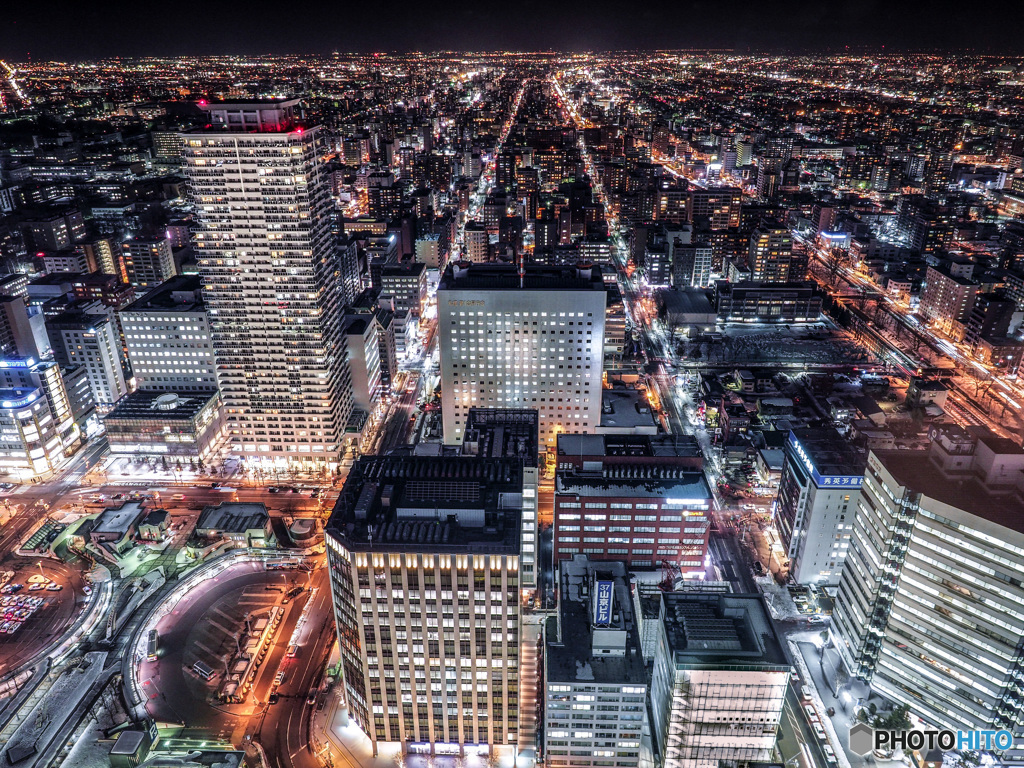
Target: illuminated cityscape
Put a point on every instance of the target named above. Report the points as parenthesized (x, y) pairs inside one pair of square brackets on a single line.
[(623, 409)]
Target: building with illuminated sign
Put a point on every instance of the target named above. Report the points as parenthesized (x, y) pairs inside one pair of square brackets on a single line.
[(929, 605), (641, 514), (595, 683), (272, 276), (817, 503), (424, 554), (719, 680), (531, 341), (30, 445)]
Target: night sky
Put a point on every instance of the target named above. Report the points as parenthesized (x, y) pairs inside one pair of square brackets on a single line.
[(84, 29)]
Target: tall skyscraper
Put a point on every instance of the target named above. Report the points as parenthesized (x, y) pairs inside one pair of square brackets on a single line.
[(270, 269), (424, 560), (929, 604), (534, 340)]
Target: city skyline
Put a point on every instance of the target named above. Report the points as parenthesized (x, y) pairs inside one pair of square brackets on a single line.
[(71, 31)]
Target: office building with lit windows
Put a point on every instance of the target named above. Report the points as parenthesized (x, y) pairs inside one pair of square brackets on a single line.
[(271, 269), (167, 335), (92, 341), (817, 503), (423, 555), (595, 682), (929, 609), (719, 680), (534, 340)]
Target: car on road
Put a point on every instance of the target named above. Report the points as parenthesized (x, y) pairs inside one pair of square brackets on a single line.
[(311, 699), (87, 589), (315, 493), (274, 698), (279, 678), (273, 489)]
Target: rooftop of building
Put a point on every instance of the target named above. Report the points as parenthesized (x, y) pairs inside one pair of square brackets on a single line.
[(638, 446), (687, 301), (466, 276), (161, 406), (234, 517), (497, 432), (403, 269), (624, 409), (718, 630), (445, 504), (119, 520), (964, 490), (724, 287), (573, 651), (655, 482), (180, 293), (830, 452)]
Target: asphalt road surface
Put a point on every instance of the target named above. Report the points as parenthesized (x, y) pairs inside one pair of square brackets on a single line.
[(176, 694), (284, 731)]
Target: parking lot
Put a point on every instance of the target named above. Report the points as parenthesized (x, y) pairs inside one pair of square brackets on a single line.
[(38, 602)]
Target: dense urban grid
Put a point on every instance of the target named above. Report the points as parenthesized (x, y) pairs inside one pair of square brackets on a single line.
[(617, 410)]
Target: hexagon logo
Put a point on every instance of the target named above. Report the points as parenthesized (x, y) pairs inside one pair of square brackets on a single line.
[(862, 738)]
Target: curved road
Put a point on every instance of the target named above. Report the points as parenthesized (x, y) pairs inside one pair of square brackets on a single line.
[(176, 695)]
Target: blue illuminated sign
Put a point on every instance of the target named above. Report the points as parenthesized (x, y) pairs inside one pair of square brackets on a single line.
[(603, 604)]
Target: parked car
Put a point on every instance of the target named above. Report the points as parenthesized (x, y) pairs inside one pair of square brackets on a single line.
[(811, 714)]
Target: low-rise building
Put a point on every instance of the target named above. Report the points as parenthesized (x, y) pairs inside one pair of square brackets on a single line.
[(247, 524), (155, 423), (750, 302)]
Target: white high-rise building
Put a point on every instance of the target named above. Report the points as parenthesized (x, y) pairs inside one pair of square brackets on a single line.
[(167, 335), (92, 341), (929, 610), (522, 341), (271, 273)]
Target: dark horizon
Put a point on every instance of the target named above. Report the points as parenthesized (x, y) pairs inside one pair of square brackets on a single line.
[(70, 31)]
